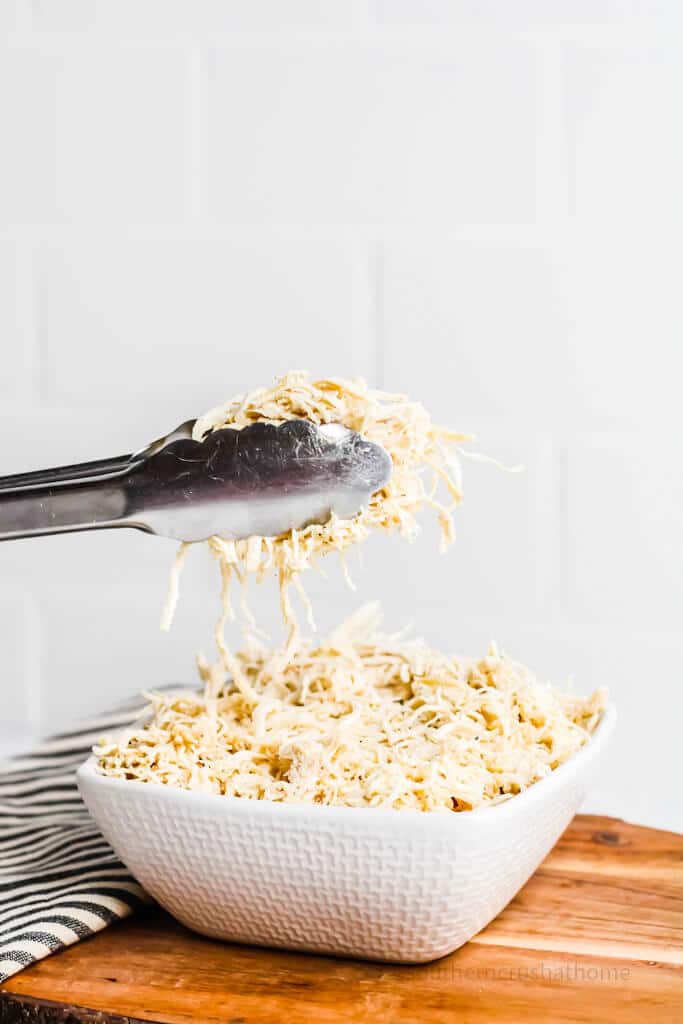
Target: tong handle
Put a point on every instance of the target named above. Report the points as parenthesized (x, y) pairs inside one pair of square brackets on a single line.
[(101, 468), (86, 496), (37, 511)]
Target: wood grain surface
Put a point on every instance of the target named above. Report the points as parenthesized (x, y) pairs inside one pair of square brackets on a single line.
[(596, 935)]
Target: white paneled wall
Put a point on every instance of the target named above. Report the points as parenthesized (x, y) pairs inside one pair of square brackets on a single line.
[(478, 202)]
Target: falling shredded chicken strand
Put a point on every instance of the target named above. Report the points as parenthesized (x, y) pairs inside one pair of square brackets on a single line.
[(361, 720), (406, 432)]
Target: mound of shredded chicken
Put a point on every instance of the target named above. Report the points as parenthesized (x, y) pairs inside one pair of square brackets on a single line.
[(424, 461), (361, 720)]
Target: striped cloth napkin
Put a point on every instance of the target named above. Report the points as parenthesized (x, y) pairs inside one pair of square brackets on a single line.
[(59, 880)]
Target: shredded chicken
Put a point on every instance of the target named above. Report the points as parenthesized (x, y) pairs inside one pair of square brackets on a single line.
[(361, 720), (403, 428)]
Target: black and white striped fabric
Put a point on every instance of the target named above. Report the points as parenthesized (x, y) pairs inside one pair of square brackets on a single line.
[(59, 880)]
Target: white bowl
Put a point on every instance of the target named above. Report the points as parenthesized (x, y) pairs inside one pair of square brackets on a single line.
[(380, 884)]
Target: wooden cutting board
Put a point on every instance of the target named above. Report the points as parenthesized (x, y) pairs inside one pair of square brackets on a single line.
[(596, 935)]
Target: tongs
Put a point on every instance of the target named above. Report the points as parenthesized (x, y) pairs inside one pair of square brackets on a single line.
[(263, 480)]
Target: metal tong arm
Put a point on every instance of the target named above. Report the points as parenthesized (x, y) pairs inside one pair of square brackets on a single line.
[(85, 496), (101, 468), (89, 496)]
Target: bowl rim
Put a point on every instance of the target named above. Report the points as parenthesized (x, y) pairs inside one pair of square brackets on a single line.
[(88, 777)]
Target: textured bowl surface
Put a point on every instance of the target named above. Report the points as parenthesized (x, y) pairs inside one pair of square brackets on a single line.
[(379, 884)]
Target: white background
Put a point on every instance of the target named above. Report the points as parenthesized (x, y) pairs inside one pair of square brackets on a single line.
[(480, 202)]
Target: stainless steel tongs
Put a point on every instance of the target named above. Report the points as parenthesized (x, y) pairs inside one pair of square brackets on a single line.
[(262, 480)]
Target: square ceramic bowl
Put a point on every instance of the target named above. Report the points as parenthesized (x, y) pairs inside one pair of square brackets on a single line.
[(400, 886)]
